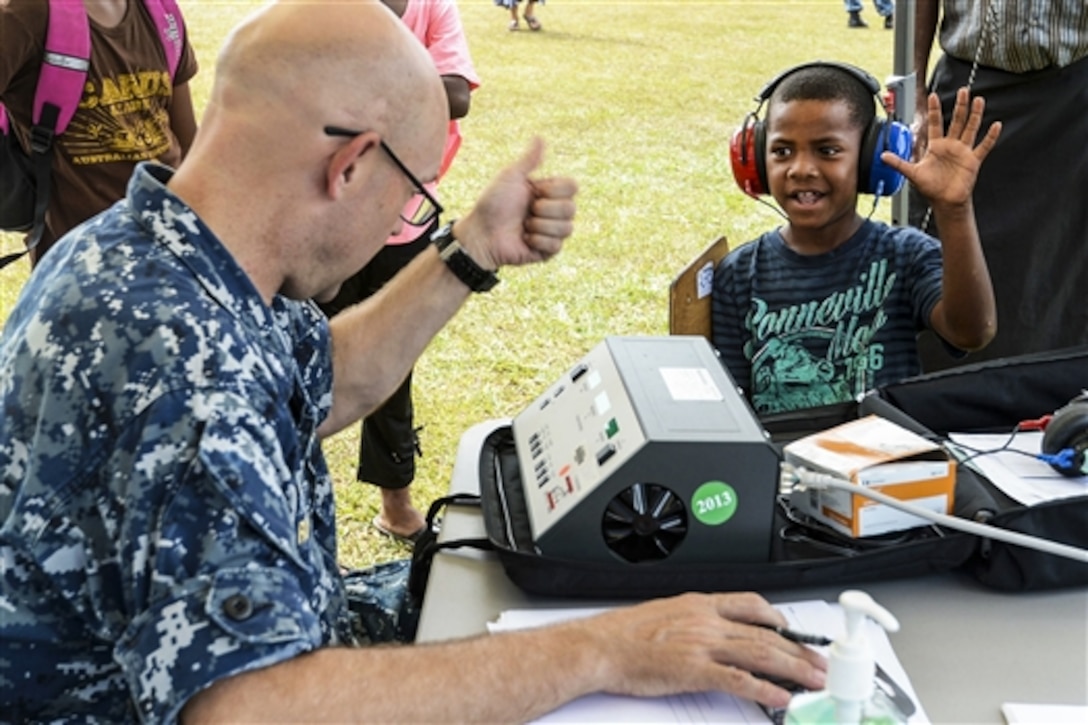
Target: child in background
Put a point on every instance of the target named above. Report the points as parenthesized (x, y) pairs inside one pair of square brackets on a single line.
[(828, 306), (885, 8), (390, 441), (131, 110), (529, 15)]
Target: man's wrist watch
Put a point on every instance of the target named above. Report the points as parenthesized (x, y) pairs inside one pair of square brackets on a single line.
[(464, 267)]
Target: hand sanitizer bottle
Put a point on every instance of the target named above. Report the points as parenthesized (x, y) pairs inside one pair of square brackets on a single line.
[(851, 696)]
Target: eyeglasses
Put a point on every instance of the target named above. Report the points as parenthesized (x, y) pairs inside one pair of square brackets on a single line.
[(428, 208)]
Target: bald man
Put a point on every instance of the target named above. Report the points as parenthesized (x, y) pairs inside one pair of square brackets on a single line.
[(168, 527)]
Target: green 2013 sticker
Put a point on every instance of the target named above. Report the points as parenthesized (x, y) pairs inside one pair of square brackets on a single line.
[(714, 503)]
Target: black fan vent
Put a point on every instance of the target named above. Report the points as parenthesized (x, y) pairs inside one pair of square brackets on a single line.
[(644, 522)]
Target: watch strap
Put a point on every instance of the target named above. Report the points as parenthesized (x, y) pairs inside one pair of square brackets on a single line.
[(464, 267)]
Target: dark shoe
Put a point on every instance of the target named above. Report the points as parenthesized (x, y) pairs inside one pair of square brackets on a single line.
[(855, 21), (888, 22)]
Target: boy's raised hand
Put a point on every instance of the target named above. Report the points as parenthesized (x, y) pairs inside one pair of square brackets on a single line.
[(947, 171)]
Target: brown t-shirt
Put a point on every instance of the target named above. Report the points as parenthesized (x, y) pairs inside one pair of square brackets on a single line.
[(123, 117)]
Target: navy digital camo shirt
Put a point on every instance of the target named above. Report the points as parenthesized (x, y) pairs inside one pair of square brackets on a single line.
[(167, 516)]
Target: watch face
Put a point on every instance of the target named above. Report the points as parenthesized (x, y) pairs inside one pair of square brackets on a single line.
[(443, 236)]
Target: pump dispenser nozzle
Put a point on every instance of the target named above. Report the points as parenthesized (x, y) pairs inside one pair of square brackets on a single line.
[(851, 695), (852, 667)]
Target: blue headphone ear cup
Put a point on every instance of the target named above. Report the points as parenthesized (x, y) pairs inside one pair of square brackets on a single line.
[(869, 149), (882, 179)]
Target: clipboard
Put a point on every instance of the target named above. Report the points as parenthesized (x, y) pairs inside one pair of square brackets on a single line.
[(689, 293)]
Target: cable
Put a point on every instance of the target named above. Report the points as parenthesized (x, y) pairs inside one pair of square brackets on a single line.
[(804, 529), (801, 478), (955, 447), (770, 206), (1063, 458), (876, 199)]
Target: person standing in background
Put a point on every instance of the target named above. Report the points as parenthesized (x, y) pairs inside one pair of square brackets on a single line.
[(885, 8), (1032, 68), (529, 15), (130, 112), (389, 441)]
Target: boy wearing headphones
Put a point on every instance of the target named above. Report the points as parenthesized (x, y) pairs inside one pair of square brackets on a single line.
[(828, 306)]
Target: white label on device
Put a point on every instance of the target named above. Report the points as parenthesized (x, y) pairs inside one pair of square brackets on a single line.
[(690, 384)]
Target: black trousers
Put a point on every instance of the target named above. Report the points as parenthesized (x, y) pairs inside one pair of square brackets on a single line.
[(389, 442), (1031, 203)]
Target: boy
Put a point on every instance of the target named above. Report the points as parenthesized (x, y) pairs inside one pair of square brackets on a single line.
[(828, 306)]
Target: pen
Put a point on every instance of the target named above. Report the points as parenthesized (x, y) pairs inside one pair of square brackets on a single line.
[(817, 640)]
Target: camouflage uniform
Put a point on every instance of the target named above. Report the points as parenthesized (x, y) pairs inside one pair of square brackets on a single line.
[(166, 514)]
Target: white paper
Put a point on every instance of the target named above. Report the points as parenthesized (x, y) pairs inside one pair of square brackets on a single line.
[(1021, 477), (1026, 714), (704, 281), (815, 616)]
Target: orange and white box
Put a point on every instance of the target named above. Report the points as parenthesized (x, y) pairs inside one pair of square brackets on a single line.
[(875, 453)]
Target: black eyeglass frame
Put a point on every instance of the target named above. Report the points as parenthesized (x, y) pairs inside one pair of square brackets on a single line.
[(436, 208)]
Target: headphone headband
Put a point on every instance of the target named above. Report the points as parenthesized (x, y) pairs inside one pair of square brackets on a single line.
[(863, 77)]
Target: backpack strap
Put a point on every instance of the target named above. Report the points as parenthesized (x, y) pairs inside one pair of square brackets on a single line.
[(427, 545), (60, 87), (65, 64), (171, 27)]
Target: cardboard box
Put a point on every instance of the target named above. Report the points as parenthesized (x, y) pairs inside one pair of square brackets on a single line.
[(875, 453)]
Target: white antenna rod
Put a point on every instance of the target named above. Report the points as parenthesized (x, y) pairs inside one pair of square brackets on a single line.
[(800, 478)]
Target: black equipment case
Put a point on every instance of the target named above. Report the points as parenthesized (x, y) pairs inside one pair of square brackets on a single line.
[(987, 397)]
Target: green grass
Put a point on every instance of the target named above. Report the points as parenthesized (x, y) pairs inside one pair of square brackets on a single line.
[(637, 100)]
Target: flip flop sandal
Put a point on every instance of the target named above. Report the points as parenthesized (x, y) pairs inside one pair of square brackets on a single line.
[(513, 25), (533, 23), (384, 531)]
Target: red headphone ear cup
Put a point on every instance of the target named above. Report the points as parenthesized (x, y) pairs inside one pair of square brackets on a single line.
[(744, 156)]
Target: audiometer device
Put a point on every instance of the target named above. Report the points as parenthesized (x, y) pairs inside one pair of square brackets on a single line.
[(646, 452)]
